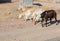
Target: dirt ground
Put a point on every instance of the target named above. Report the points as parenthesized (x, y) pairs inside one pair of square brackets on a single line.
[(14, 29)]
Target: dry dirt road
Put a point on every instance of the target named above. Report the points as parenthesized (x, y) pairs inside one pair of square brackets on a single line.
[(13, 29)]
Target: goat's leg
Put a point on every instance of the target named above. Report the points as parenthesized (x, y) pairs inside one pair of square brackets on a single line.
[(56, 18), (35, 22), (32, 19), (56, 21), (50, 20), (42, 22), (46, 22)]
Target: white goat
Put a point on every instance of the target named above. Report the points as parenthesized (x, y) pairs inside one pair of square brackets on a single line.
[(26, 15), (36, 15)]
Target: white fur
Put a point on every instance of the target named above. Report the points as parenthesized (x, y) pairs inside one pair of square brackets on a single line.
[(26, 15), (37, 15)]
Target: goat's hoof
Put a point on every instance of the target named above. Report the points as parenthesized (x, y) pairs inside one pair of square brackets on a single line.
[(42, 26), (57, 23), (46, 25), (34, 23)]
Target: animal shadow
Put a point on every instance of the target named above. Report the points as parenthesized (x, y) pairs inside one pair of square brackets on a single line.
[(53, 22)]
